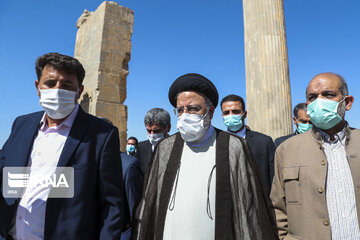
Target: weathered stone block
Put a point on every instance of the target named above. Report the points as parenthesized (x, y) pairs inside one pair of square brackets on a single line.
[(103, 46)]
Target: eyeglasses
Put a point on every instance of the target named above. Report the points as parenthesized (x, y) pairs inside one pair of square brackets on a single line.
[(191, 109)]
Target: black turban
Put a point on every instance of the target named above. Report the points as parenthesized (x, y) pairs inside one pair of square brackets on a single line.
[(193, 82)]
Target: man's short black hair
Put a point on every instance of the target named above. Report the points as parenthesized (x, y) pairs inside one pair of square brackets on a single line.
[(133, 138), (233, 98), (59, 61), (300, 106)]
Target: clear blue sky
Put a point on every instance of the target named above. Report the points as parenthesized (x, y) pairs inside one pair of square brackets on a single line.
[(172, 38)]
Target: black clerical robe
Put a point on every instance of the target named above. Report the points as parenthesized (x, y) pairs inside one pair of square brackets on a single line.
[(243, 210)]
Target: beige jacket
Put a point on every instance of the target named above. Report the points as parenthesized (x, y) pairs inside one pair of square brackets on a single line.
[(298, 189)]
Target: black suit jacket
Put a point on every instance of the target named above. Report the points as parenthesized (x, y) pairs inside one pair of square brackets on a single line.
[(133, 185), (263, 149), (92, 149), (280, 140), (144, 153)]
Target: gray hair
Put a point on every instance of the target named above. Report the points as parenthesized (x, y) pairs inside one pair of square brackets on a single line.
[(157, 116), (343, 88), (300, 106)]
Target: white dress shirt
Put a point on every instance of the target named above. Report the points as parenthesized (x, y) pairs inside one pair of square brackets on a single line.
[(340, 195), (44, 157)]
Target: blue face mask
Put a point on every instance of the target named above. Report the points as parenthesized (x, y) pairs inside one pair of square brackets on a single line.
[(130, 148), (324, 113), (233, 122), (303, 127)]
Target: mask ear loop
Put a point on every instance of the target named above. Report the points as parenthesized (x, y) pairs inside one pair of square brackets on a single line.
[(342, 100), (207, 111), (341, 113), (341, 108)]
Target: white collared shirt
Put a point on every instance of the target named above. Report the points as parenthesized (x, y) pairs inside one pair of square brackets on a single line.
[(340, 195), (44, 157)]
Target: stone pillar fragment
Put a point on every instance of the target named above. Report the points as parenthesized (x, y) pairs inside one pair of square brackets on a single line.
[(103, 47), (267, 70)]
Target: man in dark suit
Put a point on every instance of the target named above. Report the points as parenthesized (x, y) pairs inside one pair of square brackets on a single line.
[(261, 145), (133, 182), (301, 121), (63, 135), (131, 146), (157, 124)]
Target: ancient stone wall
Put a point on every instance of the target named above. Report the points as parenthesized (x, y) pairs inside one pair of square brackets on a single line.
[(103, 46)]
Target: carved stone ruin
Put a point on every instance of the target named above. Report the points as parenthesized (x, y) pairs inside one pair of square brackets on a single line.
[(267, 70), (103, 47)]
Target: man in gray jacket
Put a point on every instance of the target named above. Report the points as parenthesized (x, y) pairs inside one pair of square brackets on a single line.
[(315, 190)]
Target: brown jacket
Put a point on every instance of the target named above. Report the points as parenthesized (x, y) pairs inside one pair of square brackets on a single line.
[(298, 189)]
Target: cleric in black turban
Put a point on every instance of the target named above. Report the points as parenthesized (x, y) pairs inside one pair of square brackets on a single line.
[(202, 183), (193, 82)]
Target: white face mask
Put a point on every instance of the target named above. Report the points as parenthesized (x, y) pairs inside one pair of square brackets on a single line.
[(155, 138), (193, 126), (57, 103)]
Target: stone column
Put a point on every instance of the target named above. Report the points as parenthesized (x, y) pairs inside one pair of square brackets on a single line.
[(267, 70), (103, 47)]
